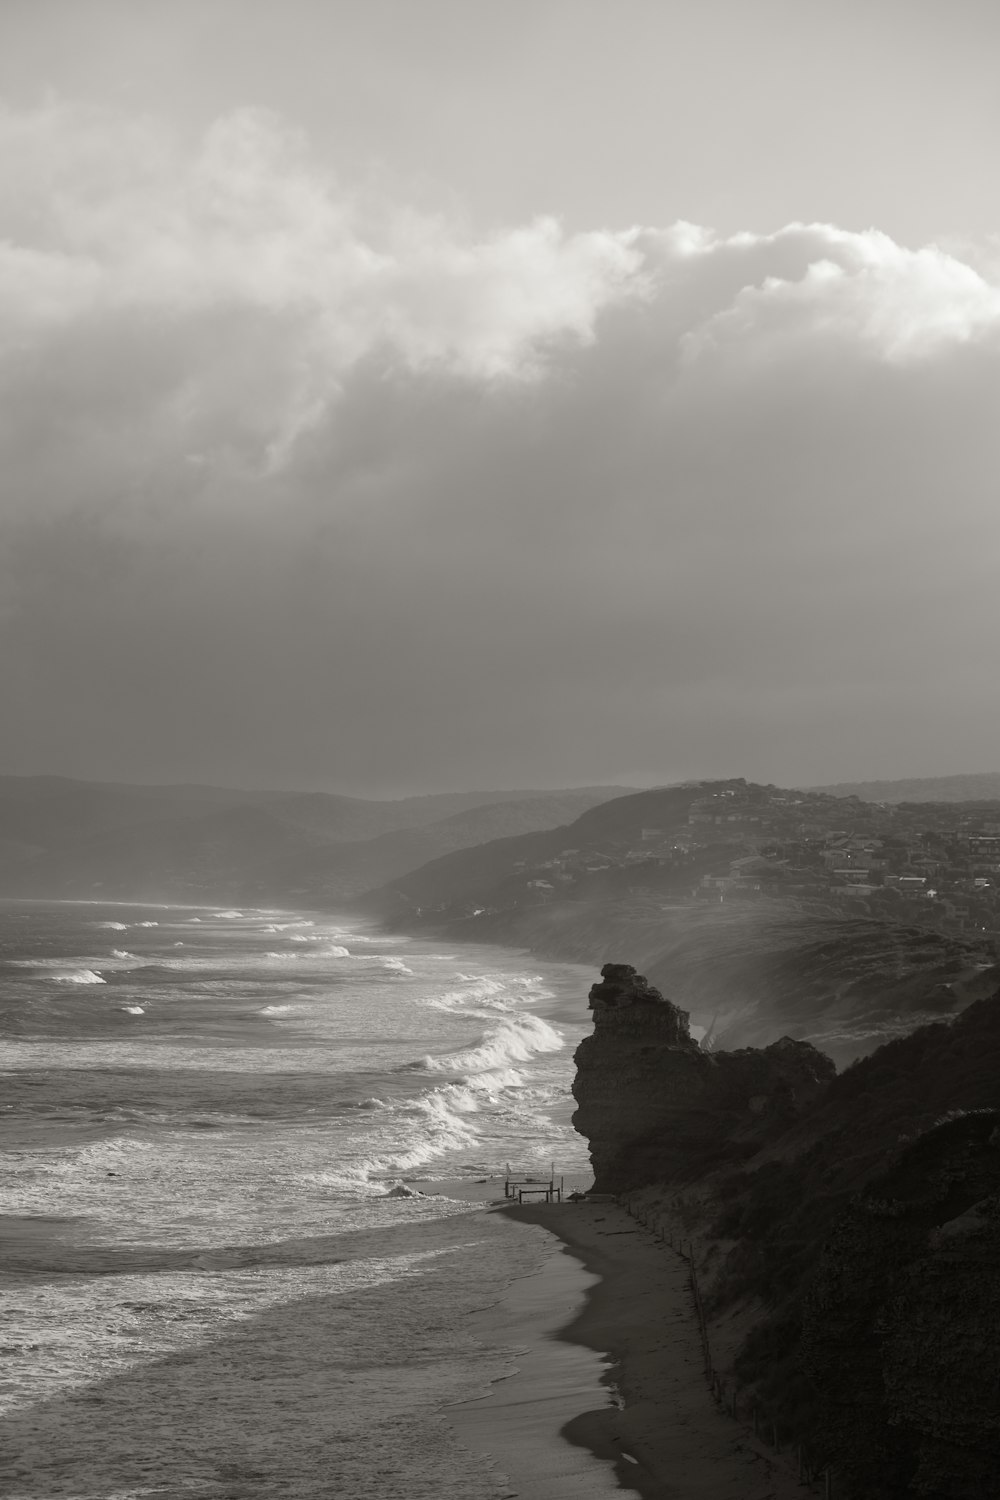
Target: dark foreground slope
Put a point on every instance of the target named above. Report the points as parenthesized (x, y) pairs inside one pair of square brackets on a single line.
[(846, 1228)]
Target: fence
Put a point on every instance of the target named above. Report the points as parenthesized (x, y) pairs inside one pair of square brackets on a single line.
[(520, 1186), (727, 1397)]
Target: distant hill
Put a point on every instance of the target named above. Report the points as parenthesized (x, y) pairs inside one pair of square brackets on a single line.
[(490, 873), (982, 786), (616, 885), (341, 869), (65, 838)]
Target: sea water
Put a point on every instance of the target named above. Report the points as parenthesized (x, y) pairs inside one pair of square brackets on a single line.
[(208, 1287)]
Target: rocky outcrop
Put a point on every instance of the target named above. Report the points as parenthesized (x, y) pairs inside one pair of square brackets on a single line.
[(656, 1107), (848, 1224)]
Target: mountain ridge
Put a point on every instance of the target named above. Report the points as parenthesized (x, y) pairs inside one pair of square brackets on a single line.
[(65, 838)]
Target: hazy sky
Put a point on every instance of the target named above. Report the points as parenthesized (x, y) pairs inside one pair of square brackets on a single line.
[(402, 395)]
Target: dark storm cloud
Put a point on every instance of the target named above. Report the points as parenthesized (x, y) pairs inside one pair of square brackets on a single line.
[(303, 489)]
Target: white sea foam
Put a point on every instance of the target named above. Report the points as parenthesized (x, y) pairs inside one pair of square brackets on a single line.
[(422, 1130), (513, 1041), (291, 956), (121, 953), (480, 990), (259, 1199), (147, 924), (228, 916), (76, 976), (115, 926)]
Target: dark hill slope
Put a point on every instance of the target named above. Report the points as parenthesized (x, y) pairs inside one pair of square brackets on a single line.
[(494, 874), (335, 871), (849, 1245)]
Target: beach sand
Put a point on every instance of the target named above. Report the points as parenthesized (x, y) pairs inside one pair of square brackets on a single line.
[(609, 1393)]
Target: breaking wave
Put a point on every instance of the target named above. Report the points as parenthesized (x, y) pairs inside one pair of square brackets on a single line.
[(76, 976), (434, 1126), (513, 1041)]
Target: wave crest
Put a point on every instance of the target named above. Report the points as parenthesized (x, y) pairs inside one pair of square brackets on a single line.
[(513, 1041)]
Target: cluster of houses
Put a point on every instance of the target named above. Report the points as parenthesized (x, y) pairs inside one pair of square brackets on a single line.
[(932, 864)]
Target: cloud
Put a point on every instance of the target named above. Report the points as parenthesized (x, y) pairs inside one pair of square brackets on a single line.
[(300, 485), (128, 227)]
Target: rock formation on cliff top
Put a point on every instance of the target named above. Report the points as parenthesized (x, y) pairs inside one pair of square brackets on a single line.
[(655, 1106)]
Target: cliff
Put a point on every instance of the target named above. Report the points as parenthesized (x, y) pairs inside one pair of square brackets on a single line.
[(655, 1106), (846, 1228)]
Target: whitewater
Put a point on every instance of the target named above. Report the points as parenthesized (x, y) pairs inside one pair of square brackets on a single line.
[(209, 1287)]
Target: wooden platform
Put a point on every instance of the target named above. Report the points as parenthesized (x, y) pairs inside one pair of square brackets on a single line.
[(521, 1186)]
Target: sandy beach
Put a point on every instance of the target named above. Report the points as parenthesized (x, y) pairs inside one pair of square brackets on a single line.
[(609, 1392)]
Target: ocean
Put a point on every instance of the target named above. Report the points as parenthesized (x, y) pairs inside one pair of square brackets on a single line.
[(209, 1287)]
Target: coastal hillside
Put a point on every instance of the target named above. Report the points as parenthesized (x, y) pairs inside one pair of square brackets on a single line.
[(749, 972), (761, 910), (63, 838), (936, 864), (844, 1228)]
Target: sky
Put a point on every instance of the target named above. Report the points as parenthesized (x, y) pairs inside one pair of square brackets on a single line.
[(413, 395)]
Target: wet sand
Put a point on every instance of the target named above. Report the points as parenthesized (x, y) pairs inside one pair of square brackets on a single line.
[(609, 1394)]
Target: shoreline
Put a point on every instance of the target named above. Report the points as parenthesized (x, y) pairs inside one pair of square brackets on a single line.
[(630, 1399)]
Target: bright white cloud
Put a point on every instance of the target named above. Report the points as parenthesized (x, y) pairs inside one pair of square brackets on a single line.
[(112, 218)]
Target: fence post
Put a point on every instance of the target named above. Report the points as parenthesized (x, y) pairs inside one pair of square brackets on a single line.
[(827, 1484)]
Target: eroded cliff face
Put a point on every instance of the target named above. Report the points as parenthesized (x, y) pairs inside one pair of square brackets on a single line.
[(848, 1225), (655, 1107)]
